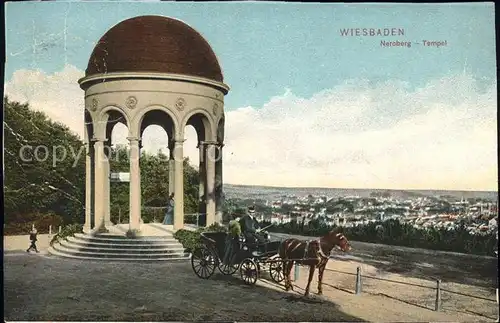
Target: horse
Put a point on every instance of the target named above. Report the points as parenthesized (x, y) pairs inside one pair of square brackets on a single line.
[(314, 254)]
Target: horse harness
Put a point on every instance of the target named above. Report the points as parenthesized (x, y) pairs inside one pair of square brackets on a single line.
[(323, 257)]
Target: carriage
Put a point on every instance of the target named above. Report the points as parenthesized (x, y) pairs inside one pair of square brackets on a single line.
[(250, 259)]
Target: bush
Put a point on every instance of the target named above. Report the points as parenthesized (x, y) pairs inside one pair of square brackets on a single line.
[(190, 240), (66, 232), (22, 223), (216, 227), (153, 215), (392, 232), (191, 218)]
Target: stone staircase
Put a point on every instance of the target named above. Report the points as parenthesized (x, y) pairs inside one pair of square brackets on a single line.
[(112, 246)]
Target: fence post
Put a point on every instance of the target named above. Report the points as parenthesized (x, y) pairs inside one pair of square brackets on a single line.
[(498, 312), (50, 230), (296, 272), (119, 215), (358, 281), (437, 306)]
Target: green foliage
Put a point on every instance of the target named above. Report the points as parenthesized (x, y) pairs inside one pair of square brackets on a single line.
[(27, 183), (153, 215), (67, 231), (21, 223), (216, 227), (392, 232), (191, 188), (190, 240), (339, 205), (154, 186), (234, 228), (240, 212)]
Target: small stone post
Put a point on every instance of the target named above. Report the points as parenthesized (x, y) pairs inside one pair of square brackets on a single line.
[(50, 230), (358, 281), (437, 306), (296, 272), (498, 312), (60, 229)]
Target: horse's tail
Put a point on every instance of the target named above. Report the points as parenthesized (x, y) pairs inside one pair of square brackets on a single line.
[(282, 249), (284, 257)]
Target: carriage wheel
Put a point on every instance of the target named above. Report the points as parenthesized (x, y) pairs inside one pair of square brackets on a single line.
[(276, 270), (228, 269), (249, 271), (203, 262)]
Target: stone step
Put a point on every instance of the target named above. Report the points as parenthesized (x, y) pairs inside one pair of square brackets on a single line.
[(111, 249), (115, 246), (123, 237), (124, 255), (164, 235), (57, 253), (124, 240), (138, 244)]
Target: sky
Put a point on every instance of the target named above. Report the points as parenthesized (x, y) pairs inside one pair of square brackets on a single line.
[(307, 107)]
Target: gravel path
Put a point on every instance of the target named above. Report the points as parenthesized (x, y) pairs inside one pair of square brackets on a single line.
[(40, 287)]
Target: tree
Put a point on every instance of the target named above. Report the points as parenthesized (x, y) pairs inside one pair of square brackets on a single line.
[(285, 208), (154, 184), (39, 179)]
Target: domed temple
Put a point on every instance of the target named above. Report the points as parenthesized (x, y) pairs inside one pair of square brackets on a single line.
[(153, 70)]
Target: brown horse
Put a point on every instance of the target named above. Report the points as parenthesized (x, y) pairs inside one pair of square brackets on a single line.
[(314, 254)]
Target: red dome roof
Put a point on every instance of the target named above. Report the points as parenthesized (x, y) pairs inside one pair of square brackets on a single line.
[(154, 44)]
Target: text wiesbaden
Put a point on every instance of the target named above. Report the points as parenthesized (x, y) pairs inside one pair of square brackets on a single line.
[(372, 32)]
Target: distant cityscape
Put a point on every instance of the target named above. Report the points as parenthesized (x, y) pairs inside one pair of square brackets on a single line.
[(350, 207)]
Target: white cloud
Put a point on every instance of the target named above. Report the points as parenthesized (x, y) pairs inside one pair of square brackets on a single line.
[(385, 135), (359, 134), (58, 94)]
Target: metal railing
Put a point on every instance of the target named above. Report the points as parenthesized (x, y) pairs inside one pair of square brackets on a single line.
[(59, 229), (160, 214), (439, 290), (197, 217)]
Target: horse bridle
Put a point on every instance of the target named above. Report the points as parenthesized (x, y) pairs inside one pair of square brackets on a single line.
[(320, 250)]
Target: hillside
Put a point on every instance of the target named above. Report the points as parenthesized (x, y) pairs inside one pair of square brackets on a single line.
[(268, 192)]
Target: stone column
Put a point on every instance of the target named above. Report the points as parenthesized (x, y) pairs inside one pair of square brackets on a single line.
[(218, 185), (202, 204), (179, 185), (210, 192), (135, 188), (107, 199), (92, 185), (88, 189), (100, 176), (171, 168), (140, 181)]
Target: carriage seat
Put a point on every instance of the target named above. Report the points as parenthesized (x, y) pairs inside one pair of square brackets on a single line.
[(270, 247)]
